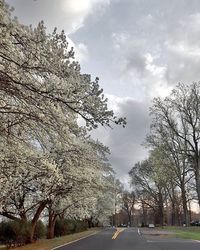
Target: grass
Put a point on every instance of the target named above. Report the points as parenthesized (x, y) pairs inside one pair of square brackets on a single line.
[(49, 244), (185, 232)]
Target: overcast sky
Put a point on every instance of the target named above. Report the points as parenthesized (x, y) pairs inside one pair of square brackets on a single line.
[(138, 48)]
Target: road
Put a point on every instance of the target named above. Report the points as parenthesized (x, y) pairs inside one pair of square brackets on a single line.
[(130, 239)]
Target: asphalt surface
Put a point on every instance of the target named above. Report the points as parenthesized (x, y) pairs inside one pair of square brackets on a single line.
[(130, 239)]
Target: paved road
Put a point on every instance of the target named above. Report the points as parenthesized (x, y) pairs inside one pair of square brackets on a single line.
[(130, 239)]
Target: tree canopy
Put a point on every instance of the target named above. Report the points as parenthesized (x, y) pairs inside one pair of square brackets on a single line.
[(49, 164)]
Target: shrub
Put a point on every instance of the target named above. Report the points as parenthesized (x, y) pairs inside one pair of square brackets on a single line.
[(80, 226), (40, 230), (64, 227), (14, 233)]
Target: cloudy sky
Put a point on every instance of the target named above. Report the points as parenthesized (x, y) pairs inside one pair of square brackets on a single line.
[(138, 48)]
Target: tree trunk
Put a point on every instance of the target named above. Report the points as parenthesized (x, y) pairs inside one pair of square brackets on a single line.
[(190, 211), (129, 219), (161, 209), (51, 224), (197, 179), (89, 221), (144, 215), (34, 221), (173, 215), (178, 216), (172, 197), (51, 229), (184, 203)]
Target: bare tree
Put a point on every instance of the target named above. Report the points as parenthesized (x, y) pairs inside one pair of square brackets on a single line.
[(129, 200), (179, 117)]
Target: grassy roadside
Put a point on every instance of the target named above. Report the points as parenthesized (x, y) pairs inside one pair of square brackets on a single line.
[(49, 244), (185, 232)]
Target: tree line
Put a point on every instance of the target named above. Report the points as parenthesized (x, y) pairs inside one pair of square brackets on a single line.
[(169, 180), (49, 166)]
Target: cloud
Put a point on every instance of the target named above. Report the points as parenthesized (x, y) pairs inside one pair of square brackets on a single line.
[(128, 33), (160, 52), (63, 14), (141, 68), (125, 143), (78, 10), (183, 62), (139, 49), (119, 39), (81, 51)]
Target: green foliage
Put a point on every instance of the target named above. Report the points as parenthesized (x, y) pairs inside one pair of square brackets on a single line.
[(64, 227), (40, 230), (16, 233), (80, 226)]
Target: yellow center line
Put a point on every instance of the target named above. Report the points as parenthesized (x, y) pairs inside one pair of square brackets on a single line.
[(117, 233)]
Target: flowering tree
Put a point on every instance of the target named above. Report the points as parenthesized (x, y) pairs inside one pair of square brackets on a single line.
[(30, 181), (38, 73), (46, 158), (88, 175)]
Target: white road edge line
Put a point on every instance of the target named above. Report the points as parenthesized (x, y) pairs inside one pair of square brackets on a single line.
[(73, 241)]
